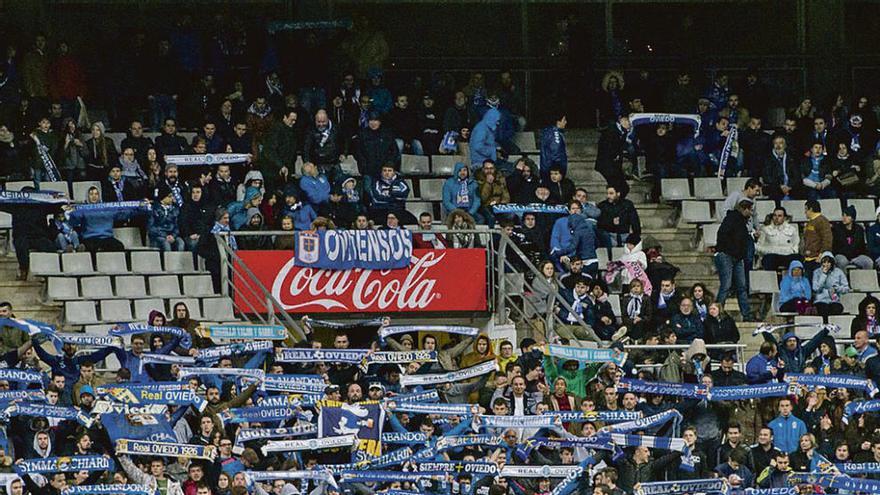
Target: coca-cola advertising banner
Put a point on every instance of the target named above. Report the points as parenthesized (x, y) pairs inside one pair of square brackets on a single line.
[(436, 280)]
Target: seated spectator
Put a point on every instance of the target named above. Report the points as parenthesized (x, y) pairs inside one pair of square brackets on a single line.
[(618, 218), (238, 210), (782, 173), (578, 299), (137, 142), (427, 240), (735, 470), (131, 169), (581, 244), (404, 124), (575, 270), (666, 301), (115, 187), (172, 180), (719, 328), (96, 226), (254, 224), (164, 232), (375, 147), (778, 241), (829, 283), (637, 311), (301, 214), (816, 173), (561, 188), (66, 237), (848, 242), (285, 242), (846, 173), (315, 187), (388, 193), (632, 255), (867, 319), (460, 192), (253, 178), (795, 290), (100, 153), (347, 198), (493, 190), (600, 315), (686, 323), (460, 220)]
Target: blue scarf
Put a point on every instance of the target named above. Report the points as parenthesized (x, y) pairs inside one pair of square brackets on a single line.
[(64, 464), (692, 120), (138, 328), (108, 490), (220, 228), (713, 485), (32, 198)]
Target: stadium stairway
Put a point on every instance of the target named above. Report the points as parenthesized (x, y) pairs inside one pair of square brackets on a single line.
[(26, 296)]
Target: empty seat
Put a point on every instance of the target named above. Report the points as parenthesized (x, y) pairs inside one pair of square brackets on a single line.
[(61, 288), (807, 332), (195, 311), (525, 141), (443, 164), (419, 207), (617, 253), (198, 285), (614, 300), (736, 184), (414, 165), (81, 190), (865, 209), (851, 302), (45, 264), (99, 330), (76, 263), (116, 311), (864, 281), (602, 255), (58, 186), (18, 185), (843, 321), (763, 282), (710, 234), (145, 262), (80, 313), (130, 237), (142, 307), (795, 209), (675, 189), (696, 212), (164, 286), (708, 188), (131, 286), (218, 308), (111, 263), (178, 261), (831, 209), (763, 207), (96, 287), (431, 189)]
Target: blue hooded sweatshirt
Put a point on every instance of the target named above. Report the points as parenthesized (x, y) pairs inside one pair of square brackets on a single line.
[(793, 287), (461, 193), (796, 359), (302, 214), (99, 224), (583, 239), (238, 209), (482, 143), (553, 150), (315, 190)]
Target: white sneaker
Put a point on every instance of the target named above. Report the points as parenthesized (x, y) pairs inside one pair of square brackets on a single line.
[(619, 334)]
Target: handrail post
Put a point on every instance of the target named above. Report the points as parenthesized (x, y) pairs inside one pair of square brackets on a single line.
[(500, 290), (224, 268)]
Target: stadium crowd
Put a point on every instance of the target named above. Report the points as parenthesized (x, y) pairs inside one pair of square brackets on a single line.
[(563, 401)]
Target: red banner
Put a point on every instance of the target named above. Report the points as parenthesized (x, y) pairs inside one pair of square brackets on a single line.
[(437, 280)]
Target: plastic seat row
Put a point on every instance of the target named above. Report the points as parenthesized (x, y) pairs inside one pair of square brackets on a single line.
[(704, 188), (80, 313), (127, 286), (143, 262), (79, 191), (767, 281)]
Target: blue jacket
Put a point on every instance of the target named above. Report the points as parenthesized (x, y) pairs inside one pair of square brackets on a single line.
[(482, 143), (164, 221), (553, 150), (302, 214), (796, 360), (389, 194), (99, 224), (315, 190), (687, 328), (794, 288), (873, 238), (238, 209), (452, 188), (140, 374), (787, 432), (758, 369), (583, 239), (560, 237), (69, 366)]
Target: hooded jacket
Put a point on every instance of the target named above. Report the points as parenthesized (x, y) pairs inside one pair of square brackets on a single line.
[(873, 238), (823, 283), (238, 214), (634, 255), (553, 152), (862, 322), (453, 187), (793, 287), (492, 192), (583, 240), (778, 239), (248, 178), (758, 369), (164, 221), (315, 190), (482, 143), (796, 359)]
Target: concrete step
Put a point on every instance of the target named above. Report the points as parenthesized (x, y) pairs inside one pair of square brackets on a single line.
[(21, 293)]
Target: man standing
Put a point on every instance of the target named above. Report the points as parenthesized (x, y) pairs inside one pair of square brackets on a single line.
[(782, 173), (322, 146), (618, 217), (375, 147), (614, 144), (731, 255), (787, 428), (817, 236), (553, 151), (279, 151)]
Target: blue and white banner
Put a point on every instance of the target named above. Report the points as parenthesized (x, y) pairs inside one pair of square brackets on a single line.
[(109, 407), (153, 358), (213, 354), (169, 393), (788, 490), (389, 476), (309, 444), (48, 411), (664, 443), (451, 376), (744, 392), (687, 390), (426, 396), (313, 474), (859, 467), (32, 198), (350, 249), (165, 449), (838, 482), (693, 120), (389, 330), (26, 395), (538, 471), (459, 441), (542, 421), (859, 407), (249, 332), (291, 400), (340, 325), (70, 464), (732, 136), (139, 328), (587, 355), (714, 485), (85, 340), (109, 490), (206, 159), (400, 357), (256, 374), (301, 429), (119, 206), (258, 414), (31, 327), (441, 409), (833, 381), (570, 483), (19, 375), (303, 384), (294, 355), (646, 423), (519, 209), (603, 416), (474, 468), (363, 419), (149, 427), (407, 438)]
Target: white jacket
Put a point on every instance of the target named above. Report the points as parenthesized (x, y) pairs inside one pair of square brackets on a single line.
[(634, 256), (141, 478), (778, 239)]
